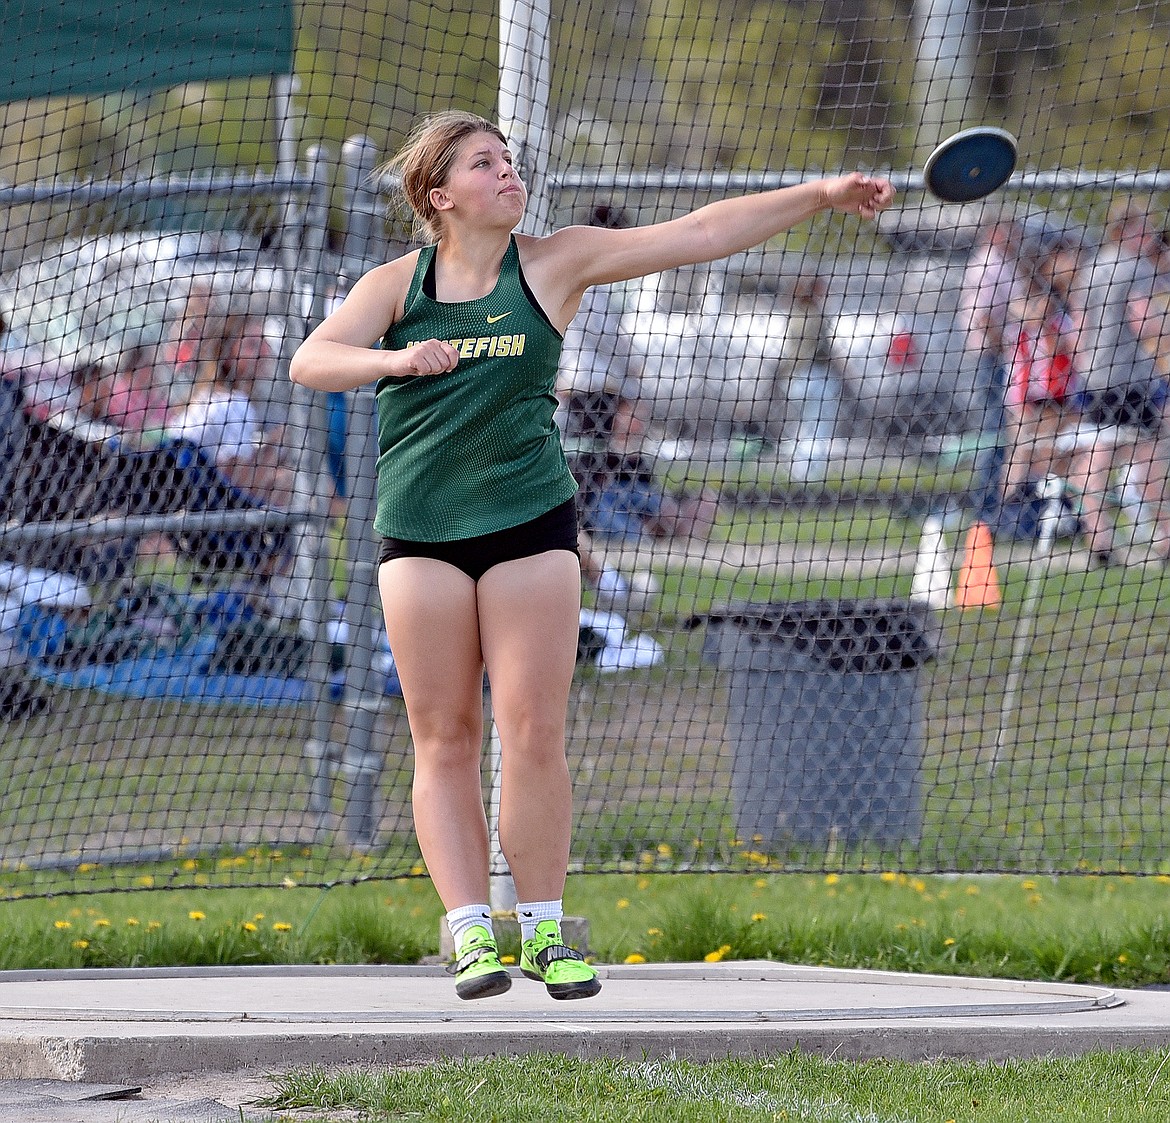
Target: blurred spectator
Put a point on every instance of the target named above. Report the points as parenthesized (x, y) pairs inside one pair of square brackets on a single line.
[(812, 382), (992, 283), (124, 392), (224, 363), (597, 354), (1123, 395), (621, 495), (603, 431), (1040, 341)]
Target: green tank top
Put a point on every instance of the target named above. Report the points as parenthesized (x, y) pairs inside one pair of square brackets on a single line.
[(476, 450)]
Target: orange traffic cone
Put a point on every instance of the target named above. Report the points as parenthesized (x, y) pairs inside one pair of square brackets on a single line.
[(978, 584)]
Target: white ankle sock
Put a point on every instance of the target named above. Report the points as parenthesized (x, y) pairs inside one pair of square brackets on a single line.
[(533, 912), (462, 918)]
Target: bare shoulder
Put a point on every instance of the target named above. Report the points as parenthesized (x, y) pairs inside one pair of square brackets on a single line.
[(387, 284), (391, 275), (376, 301), (559, 267)]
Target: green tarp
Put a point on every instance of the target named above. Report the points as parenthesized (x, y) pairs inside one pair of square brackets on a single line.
[(54, 47)]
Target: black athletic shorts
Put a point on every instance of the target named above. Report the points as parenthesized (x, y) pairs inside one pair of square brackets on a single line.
[(554, 530)]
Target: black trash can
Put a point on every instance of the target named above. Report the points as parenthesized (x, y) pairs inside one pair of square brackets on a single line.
[(825, 718)]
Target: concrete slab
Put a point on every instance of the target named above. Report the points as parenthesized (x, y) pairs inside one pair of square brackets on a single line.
[(135, 1025), (194, 1045)]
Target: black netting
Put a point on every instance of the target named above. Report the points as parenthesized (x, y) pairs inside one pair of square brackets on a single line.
[(877, 544)]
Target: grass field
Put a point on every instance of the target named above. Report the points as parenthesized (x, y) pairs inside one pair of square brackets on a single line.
[(1130, 1087), (1072, 778), (1109, 930)]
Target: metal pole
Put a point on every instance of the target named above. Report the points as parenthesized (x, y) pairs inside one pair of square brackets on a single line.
[(525, 92), (302, 245), (363, 760), (365, 235), (1050, 492), (945, 69)]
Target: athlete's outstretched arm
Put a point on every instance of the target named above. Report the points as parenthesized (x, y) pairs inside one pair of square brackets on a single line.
[(578, 257)]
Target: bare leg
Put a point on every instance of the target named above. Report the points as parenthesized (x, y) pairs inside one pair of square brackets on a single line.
[(1152, 458), (529, 616), (432, 624), (1090, 474), (1018, 440)]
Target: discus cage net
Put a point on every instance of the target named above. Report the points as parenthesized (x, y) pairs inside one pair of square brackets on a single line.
[(856, 606)]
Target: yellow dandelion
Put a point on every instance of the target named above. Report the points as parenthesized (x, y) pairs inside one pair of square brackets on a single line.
[(87, 867), (281, 926), (248, 926), (154, 925), (918, 885), (1027, 885), (635, 957), (889, 875), (81, 945), (195, 914), (761, 883), (417, 871), (62, 924), (758, 916), (1034, 899), (146, 881), (949, 942), (972, 890), (664, 850), (716, 956), (101, 922), (831, 879), (132, 922), (190, 864), (623, 903), (643, 883), (1123, 958), (258, 916)]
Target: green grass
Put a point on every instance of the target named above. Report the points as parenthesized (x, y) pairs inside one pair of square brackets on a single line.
[(1125, 1087), (1106, 930), (1072, 780)]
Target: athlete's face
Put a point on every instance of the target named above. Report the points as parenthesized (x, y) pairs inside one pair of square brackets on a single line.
[(483, 179)]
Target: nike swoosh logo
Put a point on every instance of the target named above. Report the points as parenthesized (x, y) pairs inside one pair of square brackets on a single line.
[(497, 319)]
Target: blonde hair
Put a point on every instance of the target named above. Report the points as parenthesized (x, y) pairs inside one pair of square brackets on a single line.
[(424, 163)]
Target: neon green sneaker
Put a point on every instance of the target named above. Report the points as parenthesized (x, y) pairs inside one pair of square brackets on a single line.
[(547, 959), (477, 968)]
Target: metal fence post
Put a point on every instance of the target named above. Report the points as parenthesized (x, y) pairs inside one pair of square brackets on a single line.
[(363, 760), (312, 577)]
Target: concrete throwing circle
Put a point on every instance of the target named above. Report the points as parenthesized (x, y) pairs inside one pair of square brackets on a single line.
[(727, 993)]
